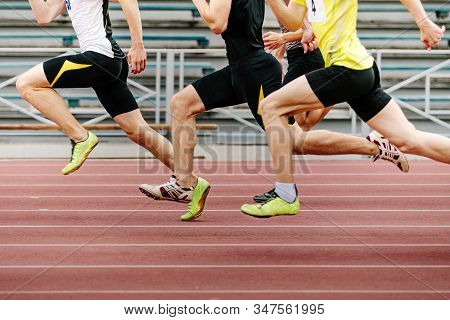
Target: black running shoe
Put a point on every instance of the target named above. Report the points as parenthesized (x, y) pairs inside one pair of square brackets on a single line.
[(261, 198)]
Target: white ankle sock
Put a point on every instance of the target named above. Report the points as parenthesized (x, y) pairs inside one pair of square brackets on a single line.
[(286, 191)]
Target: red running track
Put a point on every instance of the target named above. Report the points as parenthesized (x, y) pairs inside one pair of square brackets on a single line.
[(366, 231)]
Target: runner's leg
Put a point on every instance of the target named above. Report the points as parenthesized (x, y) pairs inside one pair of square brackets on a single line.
[(34, 87), (392, 123)]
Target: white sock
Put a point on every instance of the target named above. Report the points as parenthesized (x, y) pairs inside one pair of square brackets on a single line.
[(286, 191)]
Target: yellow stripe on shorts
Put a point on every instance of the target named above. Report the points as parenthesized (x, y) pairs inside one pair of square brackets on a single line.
[(261, 97), (69, 66)]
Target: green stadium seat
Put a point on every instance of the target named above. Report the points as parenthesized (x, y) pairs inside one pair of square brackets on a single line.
[(68, 39), (115, 6), (409, 68), (206, 67), (421, 98), (441, 10), (73, 100), (400, 37)]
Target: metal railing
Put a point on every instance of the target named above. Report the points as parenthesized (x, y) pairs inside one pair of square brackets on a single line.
[(170, 60)]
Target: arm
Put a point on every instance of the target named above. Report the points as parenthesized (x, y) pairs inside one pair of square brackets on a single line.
[(290, 16), (292, 36), (305, 35), (46, 11), (137, 56), (215, 14), (430, 33)]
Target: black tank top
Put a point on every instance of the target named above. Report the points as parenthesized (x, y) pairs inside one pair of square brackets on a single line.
[(244, 30)]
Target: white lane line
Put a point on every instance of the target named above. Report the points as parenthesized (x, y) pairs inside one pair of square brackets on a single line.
[(218, 245), (135, 185), (234, 291), (193, 226), (219, 266), (221, 196), (219, 174), (218, 210)]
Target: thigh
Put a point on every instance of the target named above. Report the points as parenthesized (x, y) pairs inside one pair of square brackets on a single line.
[(216, 90), (258, 82), (301, 64), (36, 76), (338, 84), (369, 105), (391, 122), (131, 121), (116, 97), (294, 98), (81, 71)]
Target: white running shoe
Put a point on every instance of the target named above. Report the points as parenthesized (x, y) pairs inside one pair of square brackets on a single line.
[(171, 191), (388, 151)]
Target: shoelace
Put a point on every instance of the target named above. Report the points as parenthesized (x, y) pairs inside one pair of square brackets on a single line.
[(171, 181), (388, 152)]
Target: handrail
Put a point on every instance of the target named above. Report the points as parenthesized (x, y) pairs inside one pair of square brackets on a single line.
[(168, 60)]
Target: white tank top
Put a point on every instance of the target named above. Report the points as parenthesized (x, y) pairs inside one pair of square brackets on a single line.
[(90, 19)]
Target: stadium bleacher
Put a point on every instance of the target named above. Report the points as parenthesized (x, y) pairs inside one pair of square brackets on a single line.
[(176, 24)]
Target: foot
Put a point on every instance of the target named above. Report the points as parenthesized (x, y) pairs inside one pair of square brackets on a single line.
[(274, 207), (388, 151), (171, 191), (80, 152), (264, 197), (197, 204)]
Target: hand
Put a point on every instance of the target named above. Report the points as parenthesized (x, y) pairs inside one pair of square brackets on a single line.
[(309, 40), (137, 58), (430, 33), (273, 40)]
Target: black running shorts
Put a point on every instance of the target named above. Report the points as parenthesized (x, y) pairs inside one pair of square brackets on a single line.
[(359, 88), (301, 63), (247, 80), (107, 76)]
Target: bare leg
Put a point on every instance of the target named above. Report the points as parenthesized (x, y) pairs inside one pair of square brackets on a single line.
[(185, 105), (307, 120), (296, 97), (140, 132), (323, 142), (392, 123), (33, 86)]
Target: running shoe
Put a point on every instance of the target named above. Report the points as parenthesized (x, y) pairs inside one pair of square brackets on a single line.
[(170, 191), (80, 152), (197, 204), (274, 207), (266, 196), (388, 151)]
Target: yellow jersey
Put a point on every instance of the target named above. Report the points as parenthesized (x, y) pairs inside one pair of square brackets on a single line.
[(334, 24)]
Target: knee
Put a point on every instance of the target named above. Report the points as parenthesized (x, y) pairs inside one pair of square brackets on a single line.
[(408, 145), (307, 126), (136, 134), (181, 106), (268, 110), (408, 142), (24, 86)]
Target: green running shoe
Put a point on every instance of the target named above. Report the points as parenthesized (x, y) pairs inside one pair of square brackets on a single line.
[(80, 152), (195, 207), (274, 207)]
